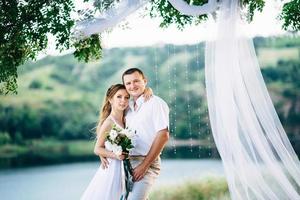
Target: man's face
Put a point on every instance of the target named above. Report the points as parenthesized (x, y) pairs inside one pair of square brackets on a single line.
[(135, 84)]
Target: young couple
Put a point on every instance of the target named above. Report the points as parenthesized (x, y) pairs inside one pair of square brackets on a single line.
[(149, 117)]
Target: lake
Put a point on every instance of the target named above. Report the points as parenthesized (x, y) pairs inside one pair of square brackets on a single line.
[(68, 181)]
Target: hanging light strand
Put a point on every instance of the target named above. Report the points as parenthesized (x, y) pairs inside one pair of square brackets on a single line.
[(200, 103), (156, 70), (187, 78), (170, 98), (208, 134), (175, 98)]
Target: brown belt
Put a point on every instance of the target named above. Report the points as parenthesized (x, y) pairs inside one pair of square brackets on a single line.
[(141, 158)]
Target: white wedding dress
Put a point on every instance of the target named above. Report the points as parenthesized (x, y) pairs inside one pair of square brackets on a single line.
[(107, 184)]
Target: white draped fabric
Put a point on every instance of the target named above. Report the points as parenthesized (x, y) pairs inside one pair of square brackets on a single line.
[(108, 19), (259, 161), (107, 184), (192, 10), (124, 8), (258, 158)]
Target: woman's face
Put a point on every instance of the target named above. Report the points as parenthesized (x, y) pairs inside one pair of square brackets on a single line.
[(120, 100)]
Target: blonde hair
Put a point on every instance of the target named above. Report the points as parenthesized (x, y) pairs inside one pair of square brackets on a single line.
[(106, 107)]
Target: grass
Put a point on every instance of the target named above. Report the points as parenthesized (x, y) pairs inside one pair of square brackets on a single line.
[(36, 98), (210, 188), (72, 148), (270, 56), (81, 147), (11, 150)]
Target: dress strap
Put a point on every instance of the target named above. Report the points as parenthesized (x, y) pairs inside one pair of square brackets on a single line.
[(114, 120)]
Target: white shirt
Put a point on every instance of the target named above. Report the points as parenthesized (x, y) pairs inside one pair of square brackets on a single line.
[(147, 120)]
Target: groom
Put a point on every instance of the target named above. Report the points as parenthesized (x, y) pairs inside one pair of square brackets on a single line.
[(150, 120)]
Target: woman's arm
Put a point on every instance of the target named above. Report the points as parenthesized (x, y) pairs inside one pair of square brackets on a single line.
[(148, 93)]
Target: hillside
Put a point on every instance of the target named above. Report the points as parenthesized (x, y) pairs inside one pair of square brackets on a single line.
[(60, 98)]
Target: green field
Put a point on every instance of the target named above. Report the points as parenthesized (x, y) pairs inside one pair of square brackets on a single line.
[(269, 57)]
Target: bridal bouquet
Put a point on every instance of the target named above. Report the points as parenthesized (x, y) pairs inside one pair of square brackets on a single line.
[(120, 140)]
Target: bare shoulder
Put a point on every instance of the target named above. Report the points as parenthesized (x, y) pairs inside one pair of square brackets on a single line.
[(106, 126)]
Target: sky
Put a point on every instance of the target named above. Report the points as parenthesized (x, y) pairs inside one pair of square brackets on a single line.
[(145, 31), (264, 24)]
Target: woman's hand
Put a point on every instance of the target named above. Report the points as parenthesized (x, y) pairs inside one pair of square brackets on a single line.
[(148, 93), (104, 162)]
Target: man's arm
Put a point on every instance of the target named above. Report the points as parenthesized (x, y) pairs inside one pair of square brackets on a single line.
[(157, 146)]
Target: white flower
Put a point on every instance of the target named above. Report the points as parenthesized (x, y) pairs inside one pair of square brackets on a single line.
[(108, 145), (113, 134), (117, 149), (130, 134)]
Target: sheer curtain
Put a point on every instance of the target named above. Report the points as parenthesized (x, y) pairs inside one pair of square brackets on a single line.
[(108, 19), (258, 158)]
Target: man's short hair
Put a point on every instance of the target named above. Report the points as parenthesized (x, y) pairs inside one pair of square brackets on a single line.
[(131, 71)]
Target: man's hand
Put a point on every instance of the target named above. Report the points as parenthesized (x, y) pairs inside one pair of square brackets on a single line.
[(158, 144), (104, 162), (139, 172)]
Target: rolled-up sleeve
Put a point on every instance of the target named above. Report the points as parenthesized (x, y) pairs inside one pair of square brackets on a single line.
[(161, 113)]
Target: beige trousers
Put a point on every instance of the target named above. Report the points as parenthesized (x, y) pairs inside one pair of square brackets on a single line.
[(141, 189)]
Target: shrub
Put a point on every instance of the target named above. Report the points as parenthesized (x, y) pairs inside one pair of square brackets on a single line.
[(206, 189), (4, 138), (35, 84)]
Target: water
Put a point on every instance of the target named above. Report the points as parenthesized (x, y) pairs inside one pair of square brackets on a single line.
[(68, 181)]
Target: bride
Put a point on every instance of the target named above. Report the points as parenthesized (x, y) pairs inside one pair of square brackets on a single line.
[(108, 182)]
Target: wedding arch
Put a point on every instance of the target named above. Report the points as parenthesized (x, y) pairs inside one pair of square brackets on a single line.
[(257, 156)]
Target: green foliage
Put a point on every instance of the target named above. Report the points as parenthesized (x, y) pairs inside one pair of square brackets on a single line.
[(287, 73), (11, 150), (169, 15), (24, 29), (35, 84), (23, 33), (18, 138), (206, 189), (88, 49), (80, 147), (291, 15), (252, 6), (69, 120), (45, 151), (103, 5), (276, 42), (4, 138)]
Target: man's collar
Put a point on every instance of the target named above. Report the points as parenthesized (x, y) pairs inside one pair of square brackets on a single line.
[(138, 102)]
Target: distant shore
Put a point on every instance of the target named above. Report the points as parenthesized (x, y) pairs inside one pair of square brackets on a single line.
[(51, 151)]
